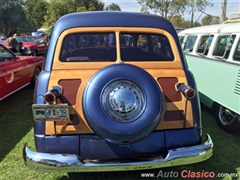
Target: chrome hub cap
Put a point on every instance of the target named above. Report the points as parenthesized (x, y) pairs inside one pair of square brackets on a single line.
[(226, 116), (123, 100)]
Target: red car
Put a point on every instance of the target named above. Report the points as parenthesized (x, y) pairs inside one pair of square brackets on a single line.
[(33, 45), (17, 72)]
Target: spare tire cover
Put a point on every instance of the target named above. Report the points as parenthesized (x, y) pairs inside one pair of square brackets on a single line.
[(122, 103)]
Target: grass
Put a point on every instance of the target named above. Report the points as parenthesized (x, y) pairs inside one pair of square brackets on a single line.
[(16, 129)]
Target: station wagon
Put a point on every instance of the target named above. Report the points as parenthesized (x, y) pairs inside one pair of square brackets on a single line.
[(115, 94)]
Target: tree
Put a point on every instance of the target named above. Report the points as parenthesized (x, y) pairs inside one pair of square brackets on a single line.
[(178, 21), (216, 20), (166, 8), (11, 16), (207, 20), (113, 7), (35, 11), (58, 8), (197, 5)]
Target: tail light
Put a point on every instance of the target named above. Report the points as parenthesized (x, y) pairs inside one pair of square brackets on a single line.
[(51, 96), (187, 91)]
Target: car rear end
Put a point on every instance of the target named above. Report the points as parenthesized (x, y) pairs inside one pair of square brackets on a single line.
[(116, 98)]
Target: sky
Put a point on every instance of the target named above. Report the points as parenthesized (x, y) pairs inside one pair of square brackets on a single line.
[(133, 6)]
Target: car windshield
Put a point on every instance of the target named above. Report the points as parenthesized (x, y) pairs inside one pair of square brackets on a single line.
[(26, 39), (102, 47)]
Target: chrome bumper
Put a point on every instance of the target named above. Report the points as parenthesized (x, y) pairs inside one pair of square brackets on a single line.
[(72, 163)]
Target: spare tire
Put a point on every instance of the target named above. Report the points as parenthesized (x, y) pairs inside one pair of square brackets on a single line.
[(122, 103)]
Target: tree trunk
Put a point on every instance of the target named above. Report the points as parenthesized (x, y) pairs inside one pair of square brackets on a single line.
[(223, 11)]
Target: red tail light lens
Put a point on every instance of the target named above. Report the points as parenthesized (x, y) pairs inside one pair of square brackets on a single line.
[(190, 93), (187, 91), (50, 97)]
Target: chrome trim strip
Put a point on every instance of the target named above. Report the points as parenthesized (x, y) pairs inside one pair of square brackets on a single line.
[(72, 163), (39, 135)]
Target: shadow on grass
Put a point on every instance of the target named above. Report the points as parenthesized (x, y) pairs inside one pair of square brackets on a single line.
[(225, 159), (15, 119)]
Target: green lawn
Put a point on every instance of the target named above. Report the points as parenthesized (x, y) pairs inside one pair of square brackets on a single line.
[(16, 129)]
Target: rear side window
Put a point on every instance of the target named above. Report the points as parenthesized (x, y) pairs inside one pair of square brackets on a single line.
[(204, 44), (224, 46), (101, 47), (188, 43), (236, 55)]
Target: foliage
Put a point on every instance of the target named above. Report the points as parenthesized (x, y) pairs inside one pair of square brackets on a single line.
[(166, 8), (197, 5), (11, 16), (179, 22), (58, 8), (207, 20), (173, 9), (216, 20), (113, 7), (29, 15), (34, 11)]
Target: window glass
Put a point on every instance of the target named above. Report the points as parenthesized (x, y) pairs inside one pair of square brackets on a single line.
[(102, 47), (188, 43), (145, 47), (5, 55), (204, 44), (89, 47), (236, 55), (181, 38), (224, 46)]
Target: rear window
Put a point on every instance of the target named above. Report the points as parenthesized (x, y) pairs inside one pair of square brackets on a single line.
[(101, 47)]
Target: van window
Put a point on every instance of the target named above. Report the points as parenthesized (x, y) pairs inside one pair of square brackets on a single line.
[(181, 38), (204, 44), (224, 46), (188, 43), (236, 55)]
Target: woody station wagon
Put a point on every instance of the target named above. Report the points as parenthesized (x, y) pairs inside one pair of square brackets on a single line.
[(115, 94)]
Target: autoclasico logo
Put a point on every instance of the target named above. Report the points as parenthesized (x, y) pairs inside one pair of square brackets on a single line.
[(186, 174), (198, 174)]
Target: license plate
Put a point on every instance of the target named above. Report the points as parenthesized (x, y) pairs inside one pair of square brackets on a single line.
[(53, 112)]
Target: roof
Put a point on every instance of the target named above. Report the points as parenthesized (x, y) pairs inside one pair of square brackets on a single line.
[(217, 28), (111, 18)]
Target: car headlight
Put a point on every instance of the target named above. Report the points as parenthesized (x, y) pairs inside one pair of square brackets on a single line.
[(28, 50)]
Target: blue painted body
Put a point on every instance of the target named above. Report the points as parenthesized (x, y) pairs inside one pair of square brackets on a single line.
[(93, 146)]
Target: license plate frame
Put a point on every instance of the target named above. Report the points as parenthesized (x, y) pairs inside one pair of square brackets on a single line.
[(50, 112)]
